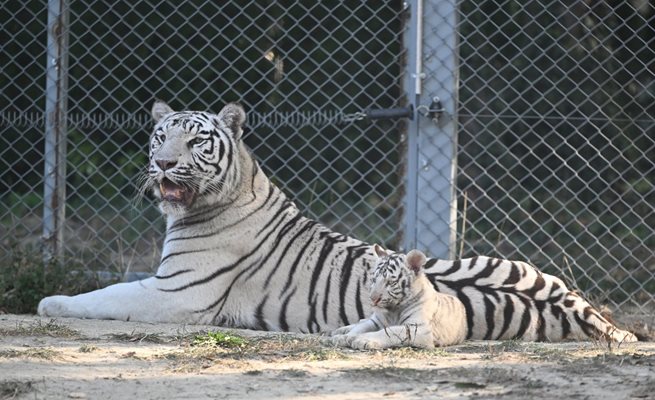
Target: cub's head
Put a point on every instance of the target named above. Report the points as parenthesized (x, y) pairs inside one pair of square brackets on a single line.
[(193, 156), (393, 276)]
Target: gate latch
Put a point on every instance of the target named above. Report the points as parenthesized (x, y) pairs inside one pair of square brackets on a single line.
[(434, 111), (390, 113)]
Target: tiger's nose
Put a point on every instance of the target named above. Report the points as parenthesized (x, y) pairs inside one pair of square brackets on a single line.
[(166, 164), (375, 300)]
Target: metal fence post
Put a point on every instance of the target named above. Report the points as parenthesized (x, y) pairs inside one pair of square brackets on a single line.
[(54, 185), (412, 84), (436, 205)]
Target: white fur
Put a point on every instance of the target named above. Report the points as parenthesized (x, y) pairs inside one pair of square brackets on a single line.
[(423, 318)]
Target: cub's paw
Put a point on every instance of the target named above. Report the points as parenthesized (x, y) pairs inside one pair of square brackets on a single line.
[(341, 340), (53, 306), (363, 343), (341, 331)]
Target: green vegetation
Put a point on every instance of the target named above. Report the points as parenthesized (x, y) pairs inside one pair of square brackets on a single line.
[(220, 339), (27, 278)]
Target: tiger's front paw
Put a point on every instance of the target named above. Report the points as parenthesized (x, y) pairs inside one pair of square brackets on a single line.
[(53, 306)]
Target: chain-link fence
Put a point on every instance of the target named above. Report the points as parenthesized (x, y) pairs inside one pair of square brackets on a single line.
[(544, 144), (557, 141), (302, 70), (564, 106)]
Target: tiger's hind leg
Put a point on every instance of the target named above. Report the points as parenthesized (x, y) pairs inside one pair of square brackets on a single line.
[(587, 322)]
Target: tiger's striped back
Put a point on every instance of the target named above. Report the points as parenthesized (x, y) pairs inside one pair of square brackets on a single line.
[(512, 299)]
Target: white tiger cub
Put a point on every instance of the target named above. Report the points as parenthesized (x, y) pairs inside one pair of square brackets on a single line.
[(408, 311)]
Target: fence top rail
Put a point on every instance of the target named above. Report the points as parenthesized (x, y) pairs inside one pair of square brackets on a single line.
[(141, 120)]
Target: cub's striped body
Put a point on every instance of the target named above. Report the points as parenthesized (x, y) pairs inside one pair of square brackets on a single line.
[(408, 310), (238, 253)]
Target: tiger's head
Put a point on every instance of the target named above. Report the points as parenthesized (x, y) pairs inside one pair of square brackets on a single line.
[(393, 276), (193, 156)]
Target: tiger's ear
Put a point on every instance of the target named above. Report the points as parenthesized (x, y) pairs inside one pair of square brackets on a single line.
[(379, 251), (233, 116), (159, 110), (415, 260)]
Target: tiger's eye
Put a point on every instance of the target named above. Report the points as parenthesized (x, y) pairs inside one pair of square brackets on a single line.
[(196, 141)]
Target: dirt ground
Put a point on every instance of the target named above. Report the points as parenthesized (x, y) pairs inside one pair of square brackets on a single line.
[(69, 358)]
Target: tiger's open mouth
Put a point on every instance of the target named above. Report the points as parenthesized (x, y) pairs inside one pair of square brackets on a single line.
[(174, 193)]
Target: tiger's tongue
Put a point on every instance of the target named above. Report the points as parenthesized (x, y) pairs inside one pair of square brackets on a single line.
[(171, 191)]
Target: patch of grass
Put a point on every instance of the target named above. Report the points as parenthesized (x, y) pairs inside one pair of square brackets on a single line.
[(201, 351), (220, 339), (512, 345), (87, 348), (39, 328), (137, 337), (507, 346), (547, 353), (414, 353), (37, 352), (398, 373), (628, 358), (285, 347), (13, 389), (318, 355)]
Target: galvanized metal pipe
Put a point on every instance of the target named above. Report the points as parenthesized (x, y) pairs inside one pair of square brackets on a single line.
[(54, 185)]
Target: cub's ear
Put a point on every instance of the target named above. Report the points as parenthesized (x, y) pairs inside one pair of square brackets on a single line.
[(159, 110), (379, 251), (233, 116), (415, 260)]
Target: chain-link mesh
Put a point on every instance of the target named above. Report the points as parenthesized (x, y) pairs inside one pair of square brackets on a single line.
[(300, 69), (22, 57), (554, 123), (557, 141)]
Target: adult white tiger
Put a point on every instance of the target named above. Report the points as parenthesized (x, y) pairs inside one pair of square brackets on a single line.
[(238, 253)]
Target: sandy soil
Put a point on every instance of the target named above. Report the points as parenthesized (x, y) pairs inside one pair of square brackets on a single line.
[(88, 359)]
